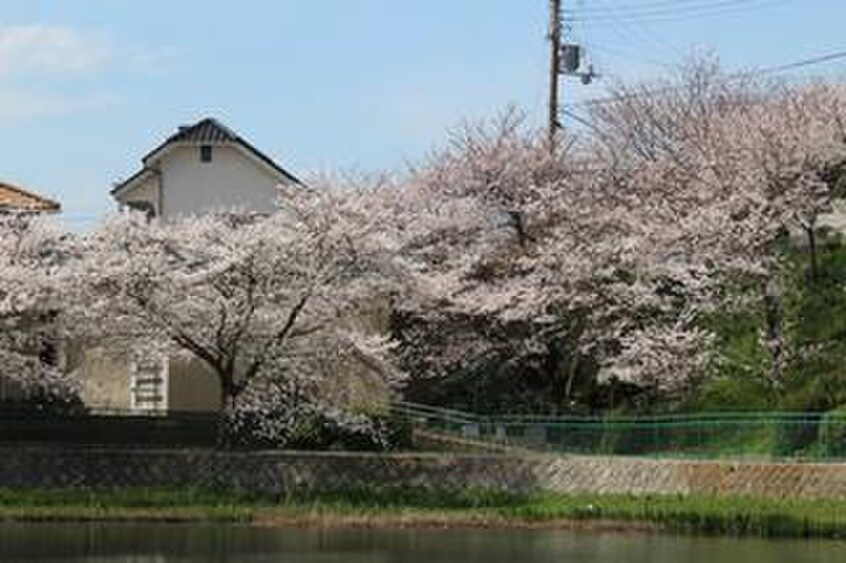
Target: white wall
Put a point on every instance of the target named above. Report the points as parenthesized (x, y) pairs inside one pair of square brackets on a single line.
[(232, 181), (146, 191)]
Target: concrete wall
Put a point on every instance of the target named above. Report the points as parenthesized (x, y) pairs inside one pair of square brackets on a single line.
[(280, 472), (106, 381), (191, 386)]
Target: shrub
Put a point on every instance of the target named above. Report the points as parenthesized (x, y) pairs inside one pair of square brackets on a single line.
[(832, 433)]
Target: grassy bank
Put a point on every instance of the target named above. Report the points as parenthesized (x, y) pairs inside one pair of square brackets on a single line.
[(702, 515)]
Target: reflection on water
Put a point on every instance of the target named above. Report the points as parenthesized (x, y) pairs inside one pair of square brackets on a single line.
[(162, 543)]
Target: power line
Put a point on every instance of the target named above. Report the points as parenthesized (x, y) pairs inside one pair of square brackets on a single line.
[(719, 8), (663, 5), (806, 62), (837, 55), (578, 118), (642, 34), (620, 54)]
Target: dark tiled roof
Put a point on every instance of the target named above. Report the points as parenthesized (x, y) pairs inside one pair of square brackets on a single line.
[(208, 131), (211, 131), (14, 198)]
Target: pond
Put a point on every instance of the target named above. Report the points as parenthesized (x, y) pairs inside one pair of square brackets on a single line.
[(169, 543)]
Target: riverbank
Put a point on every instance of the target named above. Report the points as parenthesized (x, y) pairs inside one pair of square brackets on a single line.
[(736, 516)]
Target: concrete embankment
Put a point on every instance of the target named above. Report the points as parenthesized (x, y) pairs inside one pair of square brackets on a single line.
[(284, 472)]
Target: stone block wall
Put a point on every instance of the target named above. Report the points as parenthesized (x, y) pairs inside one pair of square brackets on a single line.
[(282, 472)]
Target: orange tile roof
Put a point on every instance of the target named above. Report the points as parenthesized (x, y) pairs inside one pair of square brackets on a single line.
[(13, 198)]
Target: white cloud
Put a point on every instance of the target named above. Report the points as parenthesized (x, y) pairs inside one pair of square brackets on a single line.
[(18, 106), (41, 48), (148, 58), (68, 57)]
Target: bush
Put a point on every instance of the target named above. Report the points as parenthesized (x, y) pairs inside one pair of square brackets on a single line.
[(832, 433), (350, 433), (796, 438), (316, 431)]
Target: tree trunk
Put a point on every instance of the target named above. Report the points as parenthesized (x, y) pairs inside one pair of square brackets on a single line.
[(812, 248), (572, 370), (228, 402), (773, 329), (519, 227)]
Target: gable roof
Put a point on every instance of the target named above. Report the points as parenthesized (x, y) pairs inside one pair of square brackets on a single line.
[(208, 131), (14, 198)]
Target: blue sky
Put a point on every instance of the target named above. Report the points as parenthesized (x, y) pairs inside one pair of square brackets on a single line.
[(88, 86)]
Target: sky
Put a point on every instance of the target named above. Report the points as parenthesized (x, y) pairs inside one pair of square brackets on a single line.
[(89, 86)]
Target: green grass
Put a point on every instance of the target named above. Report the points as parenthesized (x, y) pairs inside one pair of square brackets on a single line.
[(129, 504), (386, 507)]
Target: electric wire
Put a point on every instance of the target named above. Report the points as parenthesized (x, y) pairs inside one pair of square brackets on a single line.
[(675, 15), (664, 5), (777, 69), (642, 35)]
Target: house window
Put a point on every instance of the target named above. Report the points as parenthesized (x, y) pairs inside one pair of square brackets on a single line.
[(205, 153)]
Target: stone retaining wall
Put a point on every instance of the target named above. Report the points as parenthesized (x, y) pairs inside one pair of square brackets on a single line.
[(281, 472)]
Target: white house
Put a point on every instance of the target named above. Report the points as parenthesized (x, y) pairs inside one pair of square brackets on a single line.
[(200, 168)]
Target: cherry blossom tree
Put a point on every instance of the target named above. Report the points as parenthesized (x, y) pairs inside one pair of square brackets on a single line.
[(276, 306), (600, 259), (549, 290), (34, 253), (730, 164), (757, 152), (624, 240)]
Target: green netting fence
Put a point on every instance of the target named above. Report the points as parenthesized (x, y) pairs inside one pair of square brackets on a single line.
[(757, 435)]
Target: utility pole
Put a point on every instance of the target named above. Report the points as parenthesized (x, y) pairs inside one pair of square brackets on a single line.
[(554, 68), (565, 59)]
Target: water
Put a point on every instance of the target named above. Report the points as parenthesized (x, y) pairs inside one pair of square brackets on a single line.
[(163, 543)]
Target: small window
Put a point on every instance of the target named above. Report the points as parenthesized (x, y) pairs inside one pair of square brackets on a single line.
[(205, 153)]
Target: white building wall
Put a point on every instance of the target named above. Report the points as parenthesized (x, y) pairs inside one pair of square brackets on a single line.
[(232, 181), (147, 191)]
